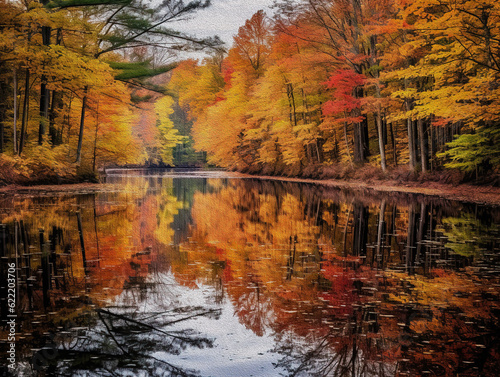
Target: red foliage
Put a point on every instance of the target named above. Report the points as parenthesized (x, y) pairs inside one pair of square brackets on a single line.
[(344, 82), (227, 72)]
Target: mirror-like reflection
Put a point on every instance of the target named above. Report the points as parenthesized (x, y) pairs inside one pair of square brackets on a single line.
[(211, 276)]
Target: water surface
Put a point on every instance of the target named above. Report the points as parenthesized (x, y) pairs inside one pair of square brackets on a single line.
[(206, 274)]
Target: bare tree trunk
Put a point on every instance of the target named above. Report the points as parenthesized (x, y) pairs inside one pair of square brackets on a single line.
[(432, 147), (95, 137), (82, 124), (292, 102), (393, 142), (422, 131), (359, 155), (44, 93), (381, 144), (347, 142), (412, 144), (25, 107), (56, 104), (68, 117), (15, 111)]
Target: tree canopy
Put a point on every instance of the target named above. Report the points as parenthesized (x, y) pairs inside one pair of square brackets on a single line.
[(73, 74), (355, 82)]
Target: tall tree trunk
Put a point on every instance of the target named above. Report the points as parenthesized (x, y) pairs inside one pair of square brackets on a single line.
[(25, 106), (95, 138), (423, 138), (412, 143), (25, 111), (15, 111), (44, 105), (68, 117), (361, 150), (44, 92), (55, 108), (56, 105), (382, 135), (432, 147), (358, 149), (82, 124), (393, 142), (291, 97), (347, 142), (365, 138), (381, 144), (415, 142)]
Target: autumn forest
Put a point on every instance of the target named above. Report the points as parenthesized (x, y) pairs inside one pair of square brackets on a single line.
[(321, 88), (315, 193)]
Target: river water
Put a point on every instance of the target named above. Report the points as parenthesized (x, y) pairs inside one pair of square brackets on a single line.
[(207, 274)]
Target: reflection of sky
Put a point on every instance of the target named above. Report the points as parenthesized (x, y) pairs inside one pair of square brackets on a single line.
[(237, 351), (223, 18)]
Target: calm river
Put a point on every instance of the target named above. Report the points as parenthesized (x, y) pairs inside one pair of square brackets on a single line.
[(205, 274)]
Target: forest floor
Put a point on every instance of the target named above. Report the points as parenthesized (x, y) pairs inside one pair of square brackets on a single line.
[(463, 192)]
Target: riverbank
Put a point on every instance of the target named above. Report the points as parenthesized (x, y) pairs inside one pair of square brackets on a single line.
[(487, 195)]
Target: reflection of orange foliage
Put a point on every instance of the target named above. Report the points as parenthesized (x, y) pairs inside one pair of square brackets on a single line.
[(341, 296)]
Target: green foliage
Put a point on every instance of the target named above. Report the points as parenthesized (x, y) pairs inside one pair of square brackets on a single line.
[(479, 151), (135, 70), (169, 135)]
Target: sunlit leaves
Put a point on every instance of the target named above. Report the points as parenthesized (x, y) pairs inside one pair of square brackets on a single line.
[(169, 135)]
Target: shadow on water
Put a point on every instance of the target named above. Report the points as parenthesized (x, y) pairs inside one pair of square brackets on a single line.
[(326, 282)]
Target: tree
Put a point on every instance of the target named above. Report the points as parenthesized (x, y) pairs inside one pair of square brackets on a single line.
[(251, 45), (346, 105), (169, 135)]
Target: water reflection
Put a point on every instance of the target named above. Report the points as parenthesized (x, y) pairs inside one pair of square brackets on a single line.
[(217, 276)]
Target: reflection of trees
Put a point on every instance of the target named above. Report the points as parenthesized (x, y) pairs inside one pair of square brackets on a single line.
[(253, 307), (346, 285), (121, 342), (324, 271), (342, 352), (79, 250), (469, 236)]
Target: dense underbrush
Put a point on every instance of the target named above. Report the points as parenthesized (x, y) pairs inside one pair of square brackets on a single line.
[(46, 166)]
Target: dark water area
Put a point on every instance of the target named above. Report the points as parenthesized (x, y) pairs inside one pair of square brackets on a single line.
[(204, 274)]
